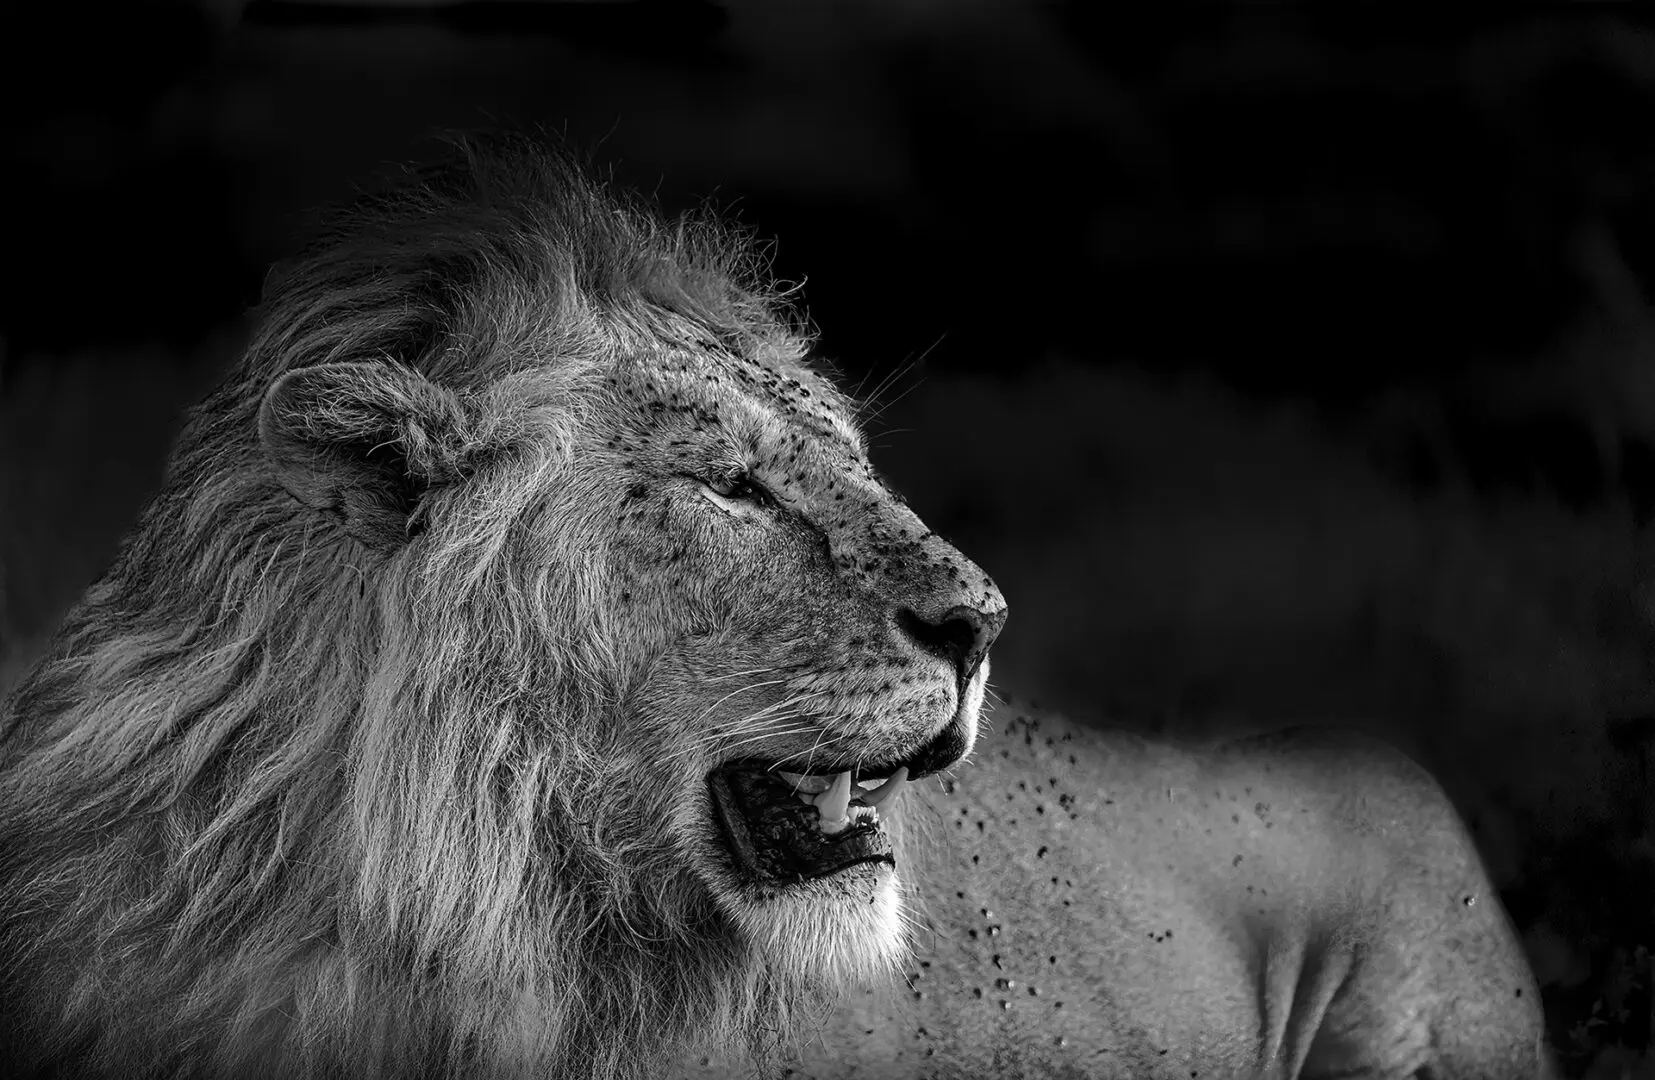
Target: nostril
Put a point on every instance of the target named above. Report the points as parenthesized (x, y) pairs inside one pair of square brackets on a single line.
[(950, 639), (960, 636)]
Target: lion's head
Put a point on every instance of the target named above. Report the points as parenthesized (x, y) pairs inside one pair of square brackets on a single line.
[(507, 678)]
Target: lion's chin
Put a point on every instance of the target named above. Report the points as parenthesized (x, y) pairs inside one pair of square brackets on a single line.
[(846, 928)]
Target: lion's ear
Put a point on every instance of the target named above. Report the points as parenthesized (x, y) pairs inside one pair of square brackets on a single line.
[(364, 441)]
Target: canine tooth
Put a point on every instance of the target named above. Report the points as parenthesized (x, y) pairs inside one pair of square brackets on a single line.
[(832, 803), (888, 788)]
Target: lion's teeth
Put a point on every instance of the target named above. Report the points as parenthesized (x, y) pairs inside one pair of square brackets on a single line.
[(853, 815), (832, 803), (890, 787), (831, 796)]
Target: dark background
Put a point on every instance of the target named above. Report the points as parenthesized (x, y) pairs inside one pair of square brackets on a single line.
[(1282, 364)]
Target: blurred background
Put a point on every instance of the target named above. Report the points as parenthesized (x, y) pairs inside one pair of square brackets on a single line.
[(1282, 364)]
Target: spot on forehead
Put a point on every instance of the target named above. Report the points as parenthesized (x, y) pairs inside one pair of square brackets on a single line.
[(796, 397), (774, 407)]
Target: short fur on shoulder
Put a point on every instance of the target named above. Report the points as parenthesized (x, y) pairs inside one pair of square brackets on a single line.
[(366, 757)]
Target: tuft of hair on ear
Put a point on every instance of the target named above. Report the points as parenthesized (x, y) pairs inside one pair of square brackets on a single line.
[(364, 442)]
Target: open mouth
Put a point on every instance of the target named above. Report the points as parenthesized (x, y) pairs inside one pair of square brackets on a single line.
[(784, 828)]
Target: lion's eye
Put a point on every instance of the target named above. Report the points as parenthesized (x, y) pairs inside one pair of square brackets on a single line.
[(735, 486)]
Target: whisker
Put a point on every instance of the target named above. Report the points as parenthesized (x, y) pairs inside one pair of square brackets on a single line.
[(748, 740), (792, 702), (879, 407), (893, 377), (810, 755), (739, 674), (823, 741), (779, 727), (738, 690), (766, 720), (759, 720)]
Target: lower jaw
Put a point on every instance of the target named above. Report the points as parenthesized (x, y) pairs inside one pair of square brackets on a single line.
[(834, 931)]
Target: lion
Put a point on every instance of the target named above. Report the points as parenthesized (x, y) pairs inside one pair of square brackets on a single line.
[(523, 671)]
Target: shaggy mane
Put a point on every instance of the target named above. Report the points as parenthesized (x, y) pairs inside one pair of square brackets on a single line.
[(269, 797)]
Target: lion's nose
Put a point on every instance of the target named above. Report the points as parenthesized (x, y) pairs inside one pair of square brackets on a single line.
[(961, 635)]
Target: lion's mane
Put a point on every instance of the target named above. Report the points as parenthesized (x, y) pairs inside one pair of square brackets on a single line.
[(270, 804)]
